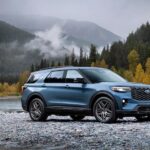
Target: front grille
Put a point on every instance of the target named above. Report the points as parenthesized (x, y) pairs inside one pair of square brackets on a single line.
[(140, 93)]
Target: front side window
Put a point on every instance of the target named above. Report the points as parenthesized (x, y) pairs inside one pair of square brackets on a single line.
[(102, 75), (73, 76), (55, 77)]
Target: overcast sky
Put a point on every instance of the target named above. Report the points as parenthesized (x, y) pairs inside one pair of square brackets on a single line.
[(118, 16)]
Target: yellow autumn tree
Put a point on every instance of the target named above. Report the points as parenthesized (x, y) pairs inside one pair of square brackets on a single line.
[(93, 64), (1, 87), (147, 72), (146, 79), (100, 63), (139, 74), (114, 69), (133, 59), (22, 79), (147, 66), (128, 75)]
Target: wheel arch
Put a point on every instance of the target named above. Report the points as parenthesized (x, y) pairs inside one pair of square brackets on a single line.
[(102, 94), (35, 95)]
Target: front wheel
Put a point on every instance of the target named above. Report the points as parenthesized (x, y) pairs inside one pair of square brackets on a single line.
[(104, 110), (77, 117), (37, 110)]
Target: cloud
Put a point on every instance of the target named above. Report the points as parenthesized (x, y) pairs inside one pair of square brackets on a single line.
[(52, 43)]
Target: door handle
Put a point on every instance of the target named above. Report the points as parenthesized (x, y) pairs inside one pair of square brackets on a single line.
[(43, 85), (67, 86)]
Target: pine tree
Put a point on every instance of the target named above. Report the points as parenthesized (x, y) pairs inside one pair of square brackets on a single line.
[(73, 58), (66, 62), (59, 63), (52, 63), (41, 64), (93, 54), (76, 62), (85, 60), (32, 69), (81, 57)]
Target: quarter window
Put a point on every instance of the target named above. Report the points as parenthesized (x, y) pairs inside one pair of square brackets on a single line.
[(55, 77)]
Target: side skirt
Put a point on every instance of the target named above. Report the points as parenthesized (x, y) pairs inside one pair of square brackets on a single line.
[(63, 110)]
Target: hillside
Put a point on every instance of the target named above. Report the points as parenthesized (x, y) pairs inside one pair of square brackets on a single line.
[(87, 32), (117, 54), (9, 33)]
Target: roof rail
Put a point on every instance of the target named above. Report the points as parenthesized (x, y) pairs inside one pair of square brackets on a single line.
[(55, 67)]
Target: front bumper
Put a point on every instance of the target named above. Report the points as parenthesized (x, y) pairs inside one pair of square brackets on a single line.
[(138, 110)]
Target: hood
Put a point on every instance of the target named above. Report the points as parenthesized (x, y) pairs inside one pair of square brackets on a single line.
[(130, 84)]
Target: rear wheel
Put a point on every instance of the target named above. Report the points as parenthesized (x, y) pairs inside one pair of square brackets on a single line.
[(104, 110), (37, 110), (77, 117)]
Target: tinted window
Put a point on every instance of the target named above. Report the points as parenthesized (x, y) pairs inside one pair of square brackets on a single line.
[(73, 76), (102, 75), (35, 77), (55, 77)]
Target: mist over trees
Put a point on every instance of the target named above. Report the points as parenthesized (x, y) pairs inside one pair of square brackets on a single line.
[(130, 58)]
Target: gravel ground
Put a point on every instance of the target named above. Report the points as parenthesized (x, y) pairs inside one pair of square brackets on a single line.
[(17, 132)]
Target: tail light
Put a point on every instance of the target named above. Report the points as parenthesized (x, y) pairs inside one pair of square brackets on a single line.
[(22, 89)]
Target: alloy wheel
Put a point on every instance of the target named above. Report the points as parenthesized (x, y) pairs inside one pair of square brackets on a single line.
[(37, 111), (104, 110)]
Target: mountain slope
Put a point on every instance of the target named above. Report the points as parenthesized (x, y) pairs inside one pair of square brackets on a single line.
[(82, 30), (9, 33), (89, 32)]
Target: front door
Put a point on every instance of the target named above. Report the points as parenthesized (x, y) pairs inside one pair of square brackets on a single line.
[(77, 93)]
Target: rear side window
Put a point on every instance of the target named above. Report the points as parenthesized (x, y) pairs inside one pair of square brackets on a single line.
[(55, 77)]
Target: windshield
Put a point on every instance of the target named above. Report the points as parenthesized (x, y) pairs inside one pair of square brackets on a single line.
[(102, 75)]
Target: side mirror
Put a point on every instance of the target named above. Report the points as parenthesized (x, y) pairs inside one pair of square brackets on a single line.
[(80, 80)]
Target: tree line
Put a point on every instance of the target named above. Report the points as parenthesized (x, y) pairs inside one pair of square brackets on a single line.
[(130, 59)]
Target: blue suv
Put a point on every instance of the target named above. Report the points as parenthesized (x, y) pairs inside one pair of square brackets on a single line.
[(81, 91)]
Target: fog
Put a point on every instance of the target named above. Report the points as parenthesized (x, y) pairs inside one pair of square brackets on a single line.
[(118, 16), (52, 43)]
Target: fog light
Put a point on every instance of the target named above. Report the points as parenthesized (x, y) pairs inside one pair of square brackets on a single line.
[(124, 101)]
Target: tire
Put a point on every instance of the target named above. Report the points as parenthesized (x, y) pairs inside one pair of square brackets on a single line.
[(37, 110), (104, 110), (77, 117), (142, 118)]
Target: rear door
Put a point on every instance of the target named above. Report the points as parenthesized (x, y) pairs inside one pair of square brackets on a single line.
[(54, 88)]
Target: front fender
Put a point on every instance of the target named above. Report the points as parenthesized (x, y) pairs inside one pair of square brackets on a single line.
[(101, 94)]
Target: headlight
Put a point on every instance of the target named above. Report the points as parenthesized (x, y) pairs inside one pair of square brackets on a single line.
[(121, 89)]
